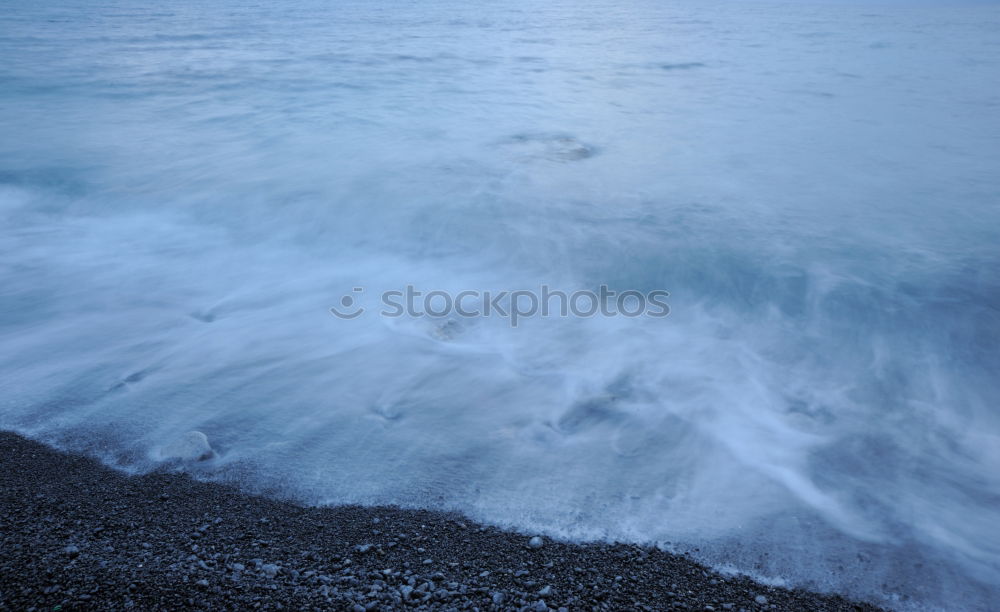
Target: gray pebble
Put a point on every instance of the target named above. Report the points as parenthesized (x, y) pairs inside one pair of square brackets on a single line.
[(270, 570)]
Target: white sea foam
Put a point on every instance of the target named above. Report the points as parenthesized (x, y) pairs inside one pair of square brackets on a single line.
[(185, 191)]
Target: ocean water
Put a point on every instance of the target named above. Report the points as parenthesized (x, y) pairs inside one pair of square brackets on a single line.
[(186, 188)]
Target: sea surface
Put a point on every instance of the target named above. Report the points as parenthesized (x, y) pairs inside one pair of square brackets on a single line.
[(187, 188)]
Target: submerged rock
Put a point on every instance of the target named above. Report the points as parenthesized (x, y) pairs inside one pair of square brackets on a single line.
[(192, 446), (551, 147)]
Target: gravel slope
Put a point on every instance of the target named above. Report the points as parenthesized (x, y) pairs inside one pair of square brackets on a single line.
[(77, 535)]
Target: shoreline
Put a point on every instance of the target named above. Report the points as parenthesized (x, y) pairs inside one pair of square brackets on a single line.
[(75, 534)]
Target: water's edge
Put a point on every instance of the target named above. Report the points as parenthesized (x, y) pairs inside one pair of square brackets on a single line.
[(99, 533)]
